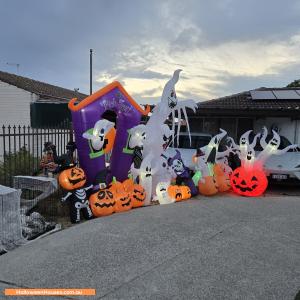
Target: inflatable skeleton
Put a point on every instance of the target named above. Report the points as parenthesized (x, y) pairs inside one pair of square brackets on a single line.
[(78, 200)]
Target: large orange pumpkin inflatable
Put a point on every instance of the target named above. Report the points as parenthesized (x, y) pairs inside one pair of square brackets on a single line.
[(248, 182), (72, 179), (102, 203), (208, 186)]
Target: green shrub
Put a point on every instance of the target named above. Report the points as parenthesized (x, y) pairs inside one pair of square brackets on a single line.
[(21, 162)]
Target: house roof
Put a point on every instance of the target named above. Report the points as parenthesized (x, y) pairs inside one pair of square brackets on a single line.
[(44, 90), (244, 104)]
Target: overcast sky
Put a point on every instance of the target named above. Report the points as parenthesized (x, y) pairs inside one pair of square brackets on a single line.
[(223, 46)]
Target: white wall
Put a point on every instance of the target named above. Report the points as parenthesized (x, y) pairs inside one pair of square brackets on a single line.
[(287, 127), (14, 108), (15, 105)]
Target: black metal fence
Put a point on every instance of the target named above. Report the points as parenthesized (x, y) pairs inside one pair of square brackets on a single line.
[(21, 148)]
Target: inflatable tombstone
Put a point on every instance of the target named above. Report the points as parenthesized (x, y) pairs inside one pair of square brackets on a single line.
[(87, 116)]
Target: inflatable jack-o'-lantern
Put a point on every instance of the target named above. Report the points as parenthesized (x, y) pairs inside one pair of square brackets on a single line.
[(138, 195), (248, 182), (186, 192), (179, 192), (208, 186), (175, 192), (222, 179), (123, 201), (71, 179), (102, 203)]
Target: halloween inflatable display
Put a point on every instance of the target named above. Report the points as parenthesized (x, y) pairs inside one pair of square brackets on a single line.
[(73, 181)]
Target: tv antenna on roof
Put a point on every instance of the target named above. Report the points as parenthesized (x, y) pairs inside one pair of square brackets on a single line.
[(15, 65)]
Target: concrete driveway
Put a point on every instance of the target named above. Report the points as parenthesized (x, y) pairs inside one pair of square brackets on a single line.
[(222, 247)]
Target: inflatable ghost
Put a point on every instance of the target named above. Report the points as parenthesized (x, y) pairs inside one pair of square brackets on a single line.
[(169, 104), (271, 148), (146, 172), (211, 149), (97, 136), (157, 134), (162, 194), (137, 136), (163, 172), (136, 141)]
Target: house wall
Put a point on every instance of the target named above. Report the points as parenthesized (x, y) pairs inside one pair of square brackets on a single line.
[(14, 110), (287, 127), (15, 105)]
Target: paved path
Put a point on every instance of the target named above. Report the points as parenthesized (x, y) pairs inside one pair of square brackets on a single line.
[(223, 247)]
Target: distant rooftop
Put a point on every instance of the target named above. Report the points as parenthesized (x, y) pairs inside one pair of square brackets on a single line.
[(44, 90), (259, 101)]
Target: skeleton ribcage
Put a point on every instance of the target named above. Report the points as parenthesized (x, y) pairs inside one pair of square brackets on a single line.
[(80, 194)]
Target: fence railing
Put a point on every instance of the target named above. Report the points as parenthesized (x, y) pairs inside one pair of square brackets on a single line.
[(21, 148)]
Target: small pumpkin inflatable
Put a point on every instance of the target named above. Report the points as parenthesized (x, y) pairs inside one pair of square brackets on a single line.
[(186, 192), (175, 192), (222, 179), (102, 203), (138, 195), (208, 186), (123, 202), (248, 182), (71, 179), (179, 192)]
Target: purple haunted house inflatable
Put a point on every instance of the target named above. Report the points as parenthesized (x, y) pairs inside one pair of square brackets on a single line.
[(115, 100)]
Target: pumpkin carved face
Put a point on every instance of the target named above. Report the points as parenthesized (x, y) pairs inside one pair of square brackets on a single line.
[(186, 192), (208, 186), (102, 203), (175, 192), (71, 179), (123, 202), (248, 182), (138, 195)]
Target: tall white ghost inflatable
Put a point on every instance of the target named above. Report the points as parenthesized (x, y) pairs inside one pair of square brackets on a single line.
[(146, 172), (156, 130)]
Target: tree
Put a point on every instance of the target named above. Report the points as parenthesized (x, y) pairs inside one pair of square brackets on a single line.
[(294, 84)]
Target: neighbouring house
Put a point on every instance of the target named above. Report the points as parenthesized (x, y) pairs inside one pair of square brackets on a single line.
[(33, 103), (275, 108)]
